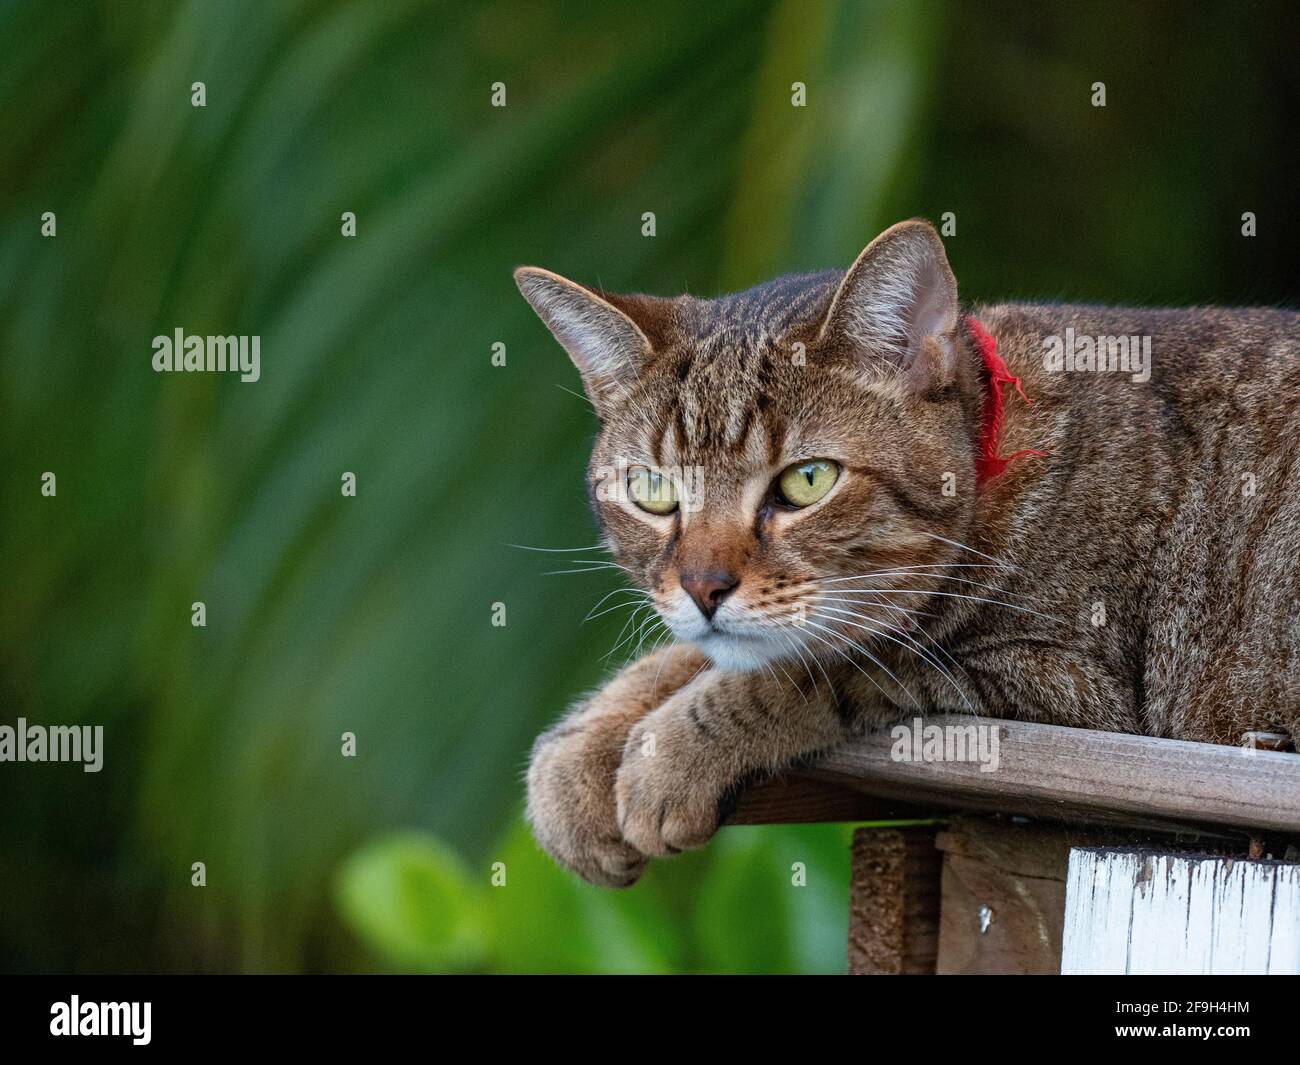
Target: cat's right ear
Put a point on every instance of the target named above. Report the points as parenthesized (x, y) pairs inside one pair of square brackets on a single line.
[(607, 347), (897, 304)]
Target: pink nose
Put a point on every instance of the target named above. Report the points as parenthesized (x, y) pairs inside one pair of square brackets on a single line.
[(709, 590)]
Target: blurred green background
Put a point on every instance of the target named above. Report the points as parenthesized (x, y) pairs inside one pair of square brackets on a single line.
[(372, 614)]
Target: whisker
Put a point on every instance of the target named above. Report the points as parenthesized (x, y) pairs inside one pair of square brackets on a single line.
[(959, 580), (803, 661), (787, 675), (1003, 591), (633, 591), (654, 686), (904, 569), (576, 395), (822, 669), (558, 550), (611, 609), (930, 639), (665, 638), (873, 658), (588, 565), (618, 640), (924, 654), (768, 667), (951, 595), (647, 627), (912, 646), (842, 595), (999, 589), (629, 623), (865, 652), (967, 547), (785, 639)]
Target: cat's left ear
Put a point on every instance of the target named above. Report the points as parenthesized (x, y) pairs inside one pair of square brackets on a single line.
[(898, 302), (609, 349)]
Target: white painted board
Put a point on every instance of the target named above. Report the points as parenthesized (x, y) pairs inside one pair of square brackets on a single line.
[(1140, 912)]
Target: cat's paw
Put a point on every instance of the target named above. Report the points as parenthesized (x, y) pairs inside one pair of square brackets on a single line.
[(571, 804), (672, 788), (571, 775)]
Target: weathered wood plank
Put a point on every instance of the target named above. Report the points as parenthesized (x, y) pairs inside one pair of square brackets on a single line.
[(1079, 774), (894, 902), (1143, 912)]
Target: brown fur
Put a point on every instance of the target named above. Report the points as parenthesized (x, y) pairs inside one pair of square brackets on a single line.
[(1140, 506)]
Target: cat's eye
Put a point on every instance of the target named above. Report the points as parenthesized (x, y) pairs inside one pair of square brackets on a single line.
[(651, 490), (802, 484)]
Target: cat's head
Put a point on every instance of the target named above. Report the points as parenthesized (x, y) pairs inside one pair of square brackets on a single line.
[(760, 452)]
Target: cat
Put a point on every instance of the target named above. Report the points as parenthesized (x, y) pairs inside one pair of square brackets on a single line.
[(898, 506)]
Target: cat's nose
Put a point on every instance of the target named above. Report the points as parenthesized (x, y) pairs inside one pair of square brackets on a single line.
[(709, 590)]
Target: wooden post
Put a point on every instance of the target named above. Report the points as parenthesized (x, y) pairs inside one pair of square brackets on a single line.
[(1003, 897), (1144, 912), (894, 901)]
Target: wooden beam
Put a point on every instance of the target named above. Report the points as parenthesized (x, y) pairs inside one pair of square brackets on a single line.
[(894, 902), (1082, 775), (798, 798)]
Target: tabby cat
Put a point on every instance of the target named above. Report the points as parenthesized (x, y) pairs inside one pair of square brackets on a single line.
[(850, 501)]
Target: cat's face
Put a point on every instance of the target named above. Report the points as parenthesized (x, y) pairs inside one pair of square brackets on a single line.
[(759, 454)]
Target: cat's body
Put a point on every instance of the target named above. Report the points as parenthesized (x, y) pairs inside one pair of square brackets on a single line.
[(1140, 575), (1167, 504)]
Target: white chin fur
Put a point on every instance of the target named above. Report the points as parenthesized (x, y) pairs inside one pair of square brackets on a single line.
[(736, 654)]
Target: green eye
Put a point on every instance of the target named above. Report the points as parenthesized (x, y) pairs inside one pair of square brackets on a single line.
[(651, 490), (802, 484)]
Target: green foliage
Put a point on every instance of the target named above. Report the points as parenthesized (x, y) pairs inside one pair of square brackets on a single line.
[(412, 899), (775, 900), (550, 921), (757, 901)]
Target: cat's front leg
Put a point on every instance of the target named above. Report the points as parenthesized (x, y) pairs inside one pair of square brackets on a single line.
[(683, 762), (573, 765)]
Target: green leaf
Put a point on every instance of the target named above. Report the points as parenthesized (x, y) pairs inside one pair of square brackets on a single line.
[(410, 898)]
